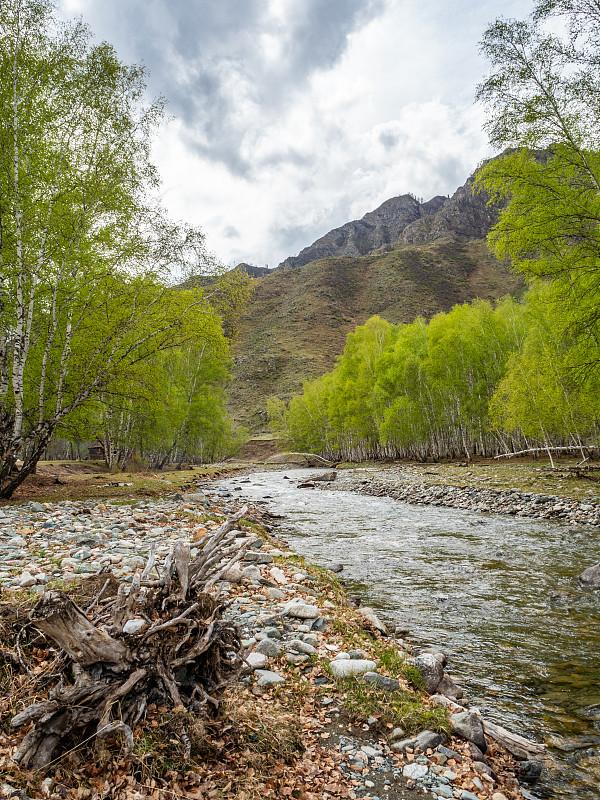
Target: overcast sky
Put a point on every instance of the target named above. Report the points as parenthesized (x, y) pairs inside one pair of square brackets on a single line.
[(292, 117)]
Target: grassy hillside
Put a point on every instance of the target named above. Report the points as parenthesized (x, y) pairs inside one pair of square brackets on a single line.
[(297, 322)]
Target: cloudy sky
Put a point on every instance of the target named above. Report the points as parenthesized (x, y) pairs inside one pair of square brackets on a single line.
[(291, 117)]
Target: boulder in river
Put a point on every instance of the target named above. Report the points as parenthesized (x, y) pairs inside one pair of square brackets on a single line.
[(591, 577), (530, 771), (325, 476), (448, 688)]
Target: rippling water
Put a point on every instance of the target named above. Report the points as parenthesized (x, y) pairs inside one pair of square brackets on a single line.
[(498, 594)]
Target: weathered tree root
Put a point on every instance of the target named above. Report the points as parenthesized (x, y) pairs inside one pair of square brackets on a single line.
[(177, 652)]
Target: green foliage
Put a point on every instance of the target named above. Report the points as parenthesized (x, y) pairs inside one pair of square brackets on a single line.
[(420, 389), (543, 92), (88, 305)]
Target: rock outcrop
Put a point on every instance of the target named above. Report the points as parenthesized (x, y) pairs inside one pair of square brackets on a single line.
[(383, 226)]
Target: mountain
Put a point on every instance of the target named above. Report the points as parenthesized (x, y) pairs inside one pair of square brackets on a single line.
[(400, 261), (377, 228), (254, 272)]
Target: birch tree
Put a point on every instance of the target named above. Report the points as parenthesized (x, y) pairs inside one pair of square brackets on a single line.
[(85, 253)]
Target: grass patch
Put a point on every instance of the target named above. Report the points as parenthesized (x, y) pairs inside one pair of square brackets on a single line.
[(401, 708)]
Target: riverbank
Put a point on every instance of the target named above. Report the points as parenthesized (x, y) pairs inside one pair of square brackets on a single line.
[(466, 489), (290, 729)]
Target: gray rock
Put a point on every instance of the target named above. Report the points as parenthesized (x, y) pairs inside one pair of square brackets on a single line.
[(260, 558), (356, 654), (26, 580), (397, 734), (134, 562), (483, 768), (431, 669), (276, 594), (591, 577), (17, 541), (196, 497), (269, 647), (476, 753), (381, 681), (530, 771), (297, 658), (234, 574), (343, 669), (445, 751), (88, 538), (302, 610), (415, 771), (253, 573), (368, 614), (448, 688), (442, 790), (301, 647), (268, 678), (429, 739), (328, 477), (278, 576), (257, 660), (257, 544), (134, 625), (464, 795), (469, 727), (37, 508), (272, 633)]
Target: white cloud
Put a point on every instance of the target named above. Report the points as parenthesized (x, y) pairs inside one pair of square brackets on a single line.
[(301, 118)]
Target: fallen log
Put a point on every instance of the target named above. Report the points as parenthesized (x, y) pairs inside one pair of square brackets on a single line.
[(160, 641), (519, 746)]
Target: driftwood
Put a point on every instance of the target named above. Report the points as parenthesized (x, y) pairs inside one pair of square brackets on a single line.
[(162, 640), (520, 747), (310, 457)]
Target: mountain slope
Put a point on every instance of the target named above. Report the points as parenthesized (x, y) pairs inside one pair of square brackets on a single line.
[(298, 320), (402, 260)]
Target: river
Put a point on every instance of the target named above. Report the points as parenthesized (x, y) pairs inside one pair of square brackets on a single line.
[(497, 594)]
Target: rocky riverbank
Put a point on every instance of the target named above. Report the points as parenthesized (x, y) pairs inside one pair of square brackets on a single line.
[(393, 483), (326, 709)]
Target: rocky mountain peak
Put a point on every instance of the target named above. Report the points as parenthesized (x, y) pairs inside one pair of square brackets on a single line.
[(383, 226)]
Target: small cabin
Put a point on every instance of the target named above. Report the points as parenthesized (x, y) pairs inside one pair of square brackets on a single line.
[(96, 452)]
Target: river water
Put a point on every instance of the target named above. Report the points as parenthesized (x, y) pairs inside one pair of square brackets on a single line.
[(497, 594)]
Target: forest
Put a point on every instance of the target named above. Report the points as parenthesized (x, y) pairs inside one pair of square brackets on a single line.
[(481, 379)]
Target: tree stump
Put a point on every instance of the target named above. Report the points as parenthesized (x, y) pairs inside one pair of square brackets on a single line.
[(162, 640)]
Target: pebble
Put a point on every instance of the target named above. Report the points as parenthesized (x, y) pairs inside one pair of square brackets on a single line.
[(415, 771), (257, 660)]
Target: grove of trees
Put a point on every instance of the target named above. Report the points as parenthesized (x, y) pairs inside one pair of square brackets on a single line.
[(96, 338), (478, 380)]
